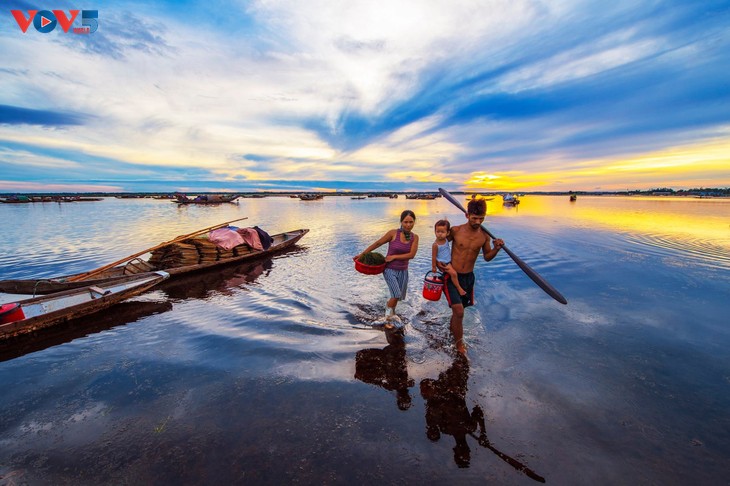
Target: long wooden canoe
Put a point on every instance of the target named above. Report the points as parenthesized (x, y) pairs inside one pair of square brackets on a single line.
[(30, 315), (205, 261)]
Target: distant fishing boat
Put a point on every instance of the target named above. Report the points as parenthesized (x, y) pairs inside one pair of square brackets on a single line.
[(573, 197), (478, 197), (510, 200), (206, 199), (16, 200), (29, 315), (310, 197)]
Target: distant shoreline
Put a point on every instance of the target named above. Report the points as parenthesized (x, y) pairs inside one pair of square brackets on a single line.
[(700, 193)]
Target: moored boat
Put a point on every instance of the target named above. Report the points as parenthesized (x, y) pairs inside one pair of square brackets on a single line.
[(16, 200), (206, 199), (187, 256), (29, 315), (510, 199)]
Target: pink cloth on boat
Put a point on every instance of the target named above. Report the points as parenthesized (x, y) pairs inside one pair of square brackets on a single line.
[(251, 237), (225, 238)]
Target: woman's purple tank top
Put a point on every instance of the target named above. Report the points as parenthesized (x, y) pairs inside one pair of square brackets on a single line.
[(397, 247)]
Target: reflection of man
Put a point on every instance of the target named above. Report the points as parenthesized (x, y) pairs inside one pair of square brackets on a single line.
[(386, 368), (446, 410)]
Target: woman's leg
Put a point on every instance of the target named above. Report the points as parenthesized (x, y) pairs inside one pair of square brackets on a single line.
[(392, 302)]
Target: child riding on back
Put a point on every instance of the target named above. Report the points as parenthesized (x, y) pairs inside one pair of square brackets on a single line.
[(441, 253)]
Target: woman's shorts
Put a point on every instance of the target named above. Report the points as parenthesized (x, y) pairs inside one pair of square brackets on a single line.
[(397, 281)]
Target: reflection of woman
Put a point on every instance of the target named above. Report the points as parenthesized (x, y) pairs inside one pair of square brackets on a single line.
[(387, 369), (402, 247)]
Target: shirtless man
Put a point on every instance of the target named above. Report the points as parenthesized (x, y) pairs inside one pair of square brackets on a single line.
[(468, 239)]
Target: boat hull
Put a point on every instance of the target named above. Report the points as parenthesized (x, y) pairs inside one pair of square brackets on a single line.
[(281, 242), (61, 307)]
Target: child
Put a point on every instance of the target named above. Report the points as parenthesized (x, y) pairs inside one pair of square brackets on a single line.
[(441, 253)]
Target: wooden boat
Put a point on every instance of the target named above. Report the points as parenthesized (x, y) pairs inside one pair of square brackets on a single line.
[(127, 312), (510, 199), (16, 200), (358, 197), (311, 197), (573, 197), (205, 199), (30, 315), (175, 259)]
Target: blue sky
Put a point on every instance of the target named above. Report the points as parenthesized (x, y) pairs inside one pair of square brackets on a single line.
[(403, 95)]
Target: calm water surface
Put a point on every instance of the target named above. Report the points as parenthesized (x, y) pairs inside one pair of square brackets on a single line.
[(276, 371)]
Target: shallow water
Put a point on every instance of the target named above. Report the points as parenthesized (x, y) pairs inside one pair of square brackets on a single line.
[(273, 371)]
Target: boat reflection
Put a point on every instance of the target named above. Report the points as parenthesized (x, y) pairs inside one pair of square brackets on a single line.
[(387, 368), (218, 280), (118, 315), (448, 413)]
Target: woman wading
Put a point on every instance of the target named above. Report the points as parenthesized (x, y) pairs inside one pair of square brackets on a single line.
[(402, 247)]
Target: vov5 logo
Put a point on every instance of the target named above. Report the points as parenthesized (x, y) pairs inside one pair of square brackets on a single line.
[(45, 21)]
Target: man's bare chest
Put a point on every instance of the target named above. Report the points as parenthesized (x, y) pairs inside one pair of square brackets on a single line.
[(469, 244)]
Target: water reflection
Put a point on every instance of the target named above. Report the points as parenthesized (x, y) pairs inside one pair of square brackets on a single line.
[(118, 315), (387, 368), (204, 284), (448, 413), (677, 218)]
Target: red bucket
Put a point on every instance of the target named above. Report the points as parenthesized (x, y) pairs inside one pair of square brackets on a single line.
[(11, 313), (433, 286), (369, 269)]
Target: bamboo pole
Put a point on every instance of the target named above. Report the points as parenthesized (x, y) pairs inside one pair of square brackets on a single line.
[(91, 273)]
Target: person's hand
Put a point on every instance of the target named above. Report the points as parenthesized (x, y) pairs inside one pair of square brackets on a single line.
[(433, 269), (498, 243), (357, 257), (389, 258)]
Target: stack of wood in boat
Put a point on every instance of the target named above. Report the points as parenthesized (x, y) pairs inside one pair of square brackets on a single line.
[(175, 255), (193, 251), (207, 250)]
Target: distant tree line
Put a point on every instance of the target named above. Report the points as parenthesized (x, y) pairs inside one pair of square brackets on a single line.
[(701, 191)]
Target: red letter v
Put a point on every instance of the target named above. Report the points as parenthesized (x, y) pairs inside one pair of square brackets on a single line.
[(20, 18), (63, 20)]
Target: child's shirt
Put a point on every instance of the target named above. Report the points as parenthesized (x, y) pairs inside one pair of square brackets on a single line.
[(443, 254)]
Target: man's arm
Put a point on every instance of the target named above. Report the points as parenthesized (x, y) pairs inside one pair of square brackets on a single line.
[(489, 252)]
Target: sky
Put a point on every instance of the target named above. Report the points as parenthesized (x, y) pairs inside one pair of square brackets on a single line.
[(289, 95)]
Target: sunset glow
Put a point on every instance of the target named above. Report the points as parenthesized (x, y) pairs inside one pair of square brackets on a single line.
[(286, 95)]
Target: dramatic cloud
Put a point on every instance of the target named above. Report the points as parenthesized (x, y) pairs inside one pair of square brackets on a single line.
[(496, 94)]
